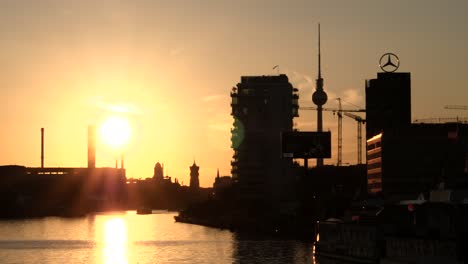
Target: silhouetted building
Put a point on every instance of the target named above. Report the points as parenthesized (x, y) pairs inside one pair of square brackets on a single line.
[(42, 191), (194, 181), (388, 102), (158, 172), (60, 191), (263, 107), (406, 160), (327, 191), (221, 183), (404, 163)]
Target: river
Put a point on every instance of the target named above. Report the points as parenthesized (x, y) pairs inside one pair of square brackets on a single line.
[(128, 238)]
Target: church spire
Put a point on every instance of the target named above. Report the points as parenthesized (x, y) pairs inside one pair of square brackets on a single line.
[(194, 176)]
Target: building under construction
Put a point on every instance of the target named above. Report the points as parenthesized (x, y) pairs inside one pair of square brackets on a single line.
[(263, 107)]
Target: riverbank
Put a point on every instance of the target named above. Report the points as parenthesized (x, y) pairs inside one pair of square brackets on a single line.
[(248, 219)]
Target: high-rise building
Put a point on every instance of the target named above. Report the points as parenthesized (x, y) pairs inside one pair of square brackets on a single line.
[(263, 107), (388, 102), (405, 160)]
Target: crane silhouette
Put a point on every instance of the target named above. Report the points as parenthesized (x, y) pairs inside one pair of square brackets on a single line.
[(459, 107), (359, 121), (339, 112)]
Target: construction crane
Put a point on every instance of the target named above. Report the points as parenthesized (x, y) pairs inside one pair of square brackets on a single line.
[(460, 107), (339, 112), (359, 121)]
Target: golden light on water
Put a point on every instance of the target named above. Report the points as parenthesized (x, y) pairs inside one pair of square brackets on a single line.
[(317, 239), (115, 131), (115, 241)]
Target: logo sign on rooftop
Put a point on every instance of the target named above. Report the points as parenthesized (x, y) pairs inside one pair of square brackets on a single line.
[(389, 62)]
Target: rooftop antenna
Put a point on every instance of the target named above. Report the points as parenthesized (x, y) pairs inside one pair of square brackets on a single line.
[(319, 58)]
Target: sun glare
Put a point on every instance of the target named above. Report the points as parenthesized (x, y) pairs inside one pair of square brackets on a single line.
[(115, 131), (115, 248)]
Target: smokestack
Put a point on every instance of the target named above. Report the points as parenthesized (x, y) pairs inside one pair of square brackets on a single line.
[(91, 147), (122, 161), (42, 147)]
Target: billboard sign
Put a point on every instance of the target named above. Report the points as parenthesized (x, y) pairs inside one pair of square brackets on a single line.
[(306, 144)]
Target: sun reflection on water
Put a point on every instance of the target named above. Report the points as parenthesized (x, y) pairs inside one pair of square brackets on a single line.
[(115, 241)]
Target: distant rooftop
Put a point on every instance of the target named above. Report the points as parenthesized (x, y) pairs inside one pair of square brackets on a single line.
[(264, 78), (442, 120)]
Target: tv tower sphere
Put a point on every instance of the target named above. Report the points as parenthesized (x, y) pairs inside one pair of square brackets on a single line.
[(319, 97)]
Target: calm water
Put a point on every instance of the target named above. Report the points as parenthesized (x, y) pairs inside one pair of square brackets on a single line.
[(130, 238)]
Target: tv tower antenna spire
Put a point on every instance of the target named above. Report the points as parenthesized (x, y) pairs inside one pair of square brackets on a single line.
[(319, 97), (319, 58)]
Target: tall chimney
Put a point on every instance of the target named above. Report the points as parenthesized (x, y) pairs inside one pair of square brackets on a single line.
[(91, 147), (42, 147)]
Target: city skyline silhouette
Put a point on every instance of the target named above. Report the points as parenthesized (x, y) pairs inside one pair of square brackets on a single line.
[(169, 70)]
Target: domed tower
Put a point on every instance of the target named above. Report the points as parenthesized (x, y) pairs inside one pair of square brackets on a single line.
[(319, 97), (158, 172), (194, 181)]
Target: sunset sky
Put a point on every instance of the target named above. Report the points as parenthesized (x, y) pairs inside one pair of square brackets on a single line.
[(168, 67)]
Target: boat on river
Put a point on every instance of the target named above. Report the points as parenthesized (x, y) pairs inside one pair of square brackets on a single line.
[(409, 232), (144, 210)]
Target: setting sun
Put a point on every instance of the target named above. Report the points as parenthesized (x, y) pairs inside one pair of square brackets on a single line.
[(115, 131)]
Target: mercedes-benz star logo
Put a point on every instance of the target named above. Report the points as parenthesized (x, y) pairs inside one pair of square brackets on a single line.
[(389, 65)]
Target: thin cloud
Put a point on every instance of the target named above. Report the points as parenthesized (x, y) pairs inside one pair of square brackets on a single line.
[(353, 97), (220, 122), (124, 108), (176, 51), (306, 84), (210, 98), (220, 126), (301, 125)]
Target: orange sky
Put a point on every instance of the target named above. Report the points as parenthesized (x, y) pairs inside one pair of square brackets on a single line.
[(171, 66)]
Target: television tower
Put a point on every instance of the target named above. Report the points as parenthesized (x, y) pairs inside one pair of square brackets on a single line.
[(319, 97)]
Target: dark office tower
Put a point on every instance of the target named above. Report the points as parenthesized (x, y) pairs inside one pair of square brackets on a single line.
[(194, 181), (263, 107), (388, 102), (91, 147)]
